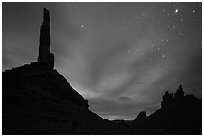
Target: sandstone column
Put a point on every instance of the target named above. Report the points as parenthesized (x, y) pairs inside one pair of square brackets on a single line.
[(45, 56)]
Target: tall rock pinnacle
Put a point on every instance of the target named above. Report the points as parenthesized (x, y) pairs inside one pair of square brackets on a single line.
[(45, 56)]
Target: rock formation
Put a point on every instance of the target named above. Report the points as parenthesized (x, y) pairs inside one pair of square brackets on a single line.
[(177, 99), (38, 100), (142, 115), (167, 99), (45, 56), (179, 114), (179, 93)]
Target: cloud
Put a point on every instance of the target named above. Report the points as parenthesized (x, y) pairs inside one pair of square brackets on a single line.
[(124, 99), (127, 109)]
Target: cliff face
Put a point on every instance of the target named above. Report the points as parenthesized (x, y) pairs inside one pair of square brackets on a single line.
[(37, 100)]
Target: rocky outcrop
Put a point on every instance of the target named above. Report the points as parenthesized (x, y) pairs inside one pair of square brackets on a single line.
[(45, 57), (179, 114), (178, 99), (179, 93), (141, 116), (167, 99)]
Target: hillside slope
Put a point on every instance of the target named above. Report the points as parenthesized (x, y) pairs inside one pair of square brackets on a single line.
[(37, 100)]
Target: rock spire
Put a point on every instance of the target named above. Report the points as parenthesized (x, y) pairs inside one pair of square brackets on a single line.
[(45, 56)]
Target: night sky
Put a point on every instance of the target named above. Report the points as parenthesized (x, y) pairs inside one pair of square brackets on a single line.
[(122, 57)]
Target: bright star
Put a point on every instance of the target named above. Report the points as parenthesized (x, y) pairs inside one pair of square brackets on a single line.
[(176, 11)]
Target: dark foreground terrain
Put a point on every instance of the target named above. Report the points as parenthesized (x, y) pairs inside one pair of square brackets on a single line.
[(38, 100)]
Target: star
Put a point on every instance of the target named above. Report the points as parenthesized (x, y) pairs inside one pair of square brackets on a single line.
[(176, 11), (181, 34)]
